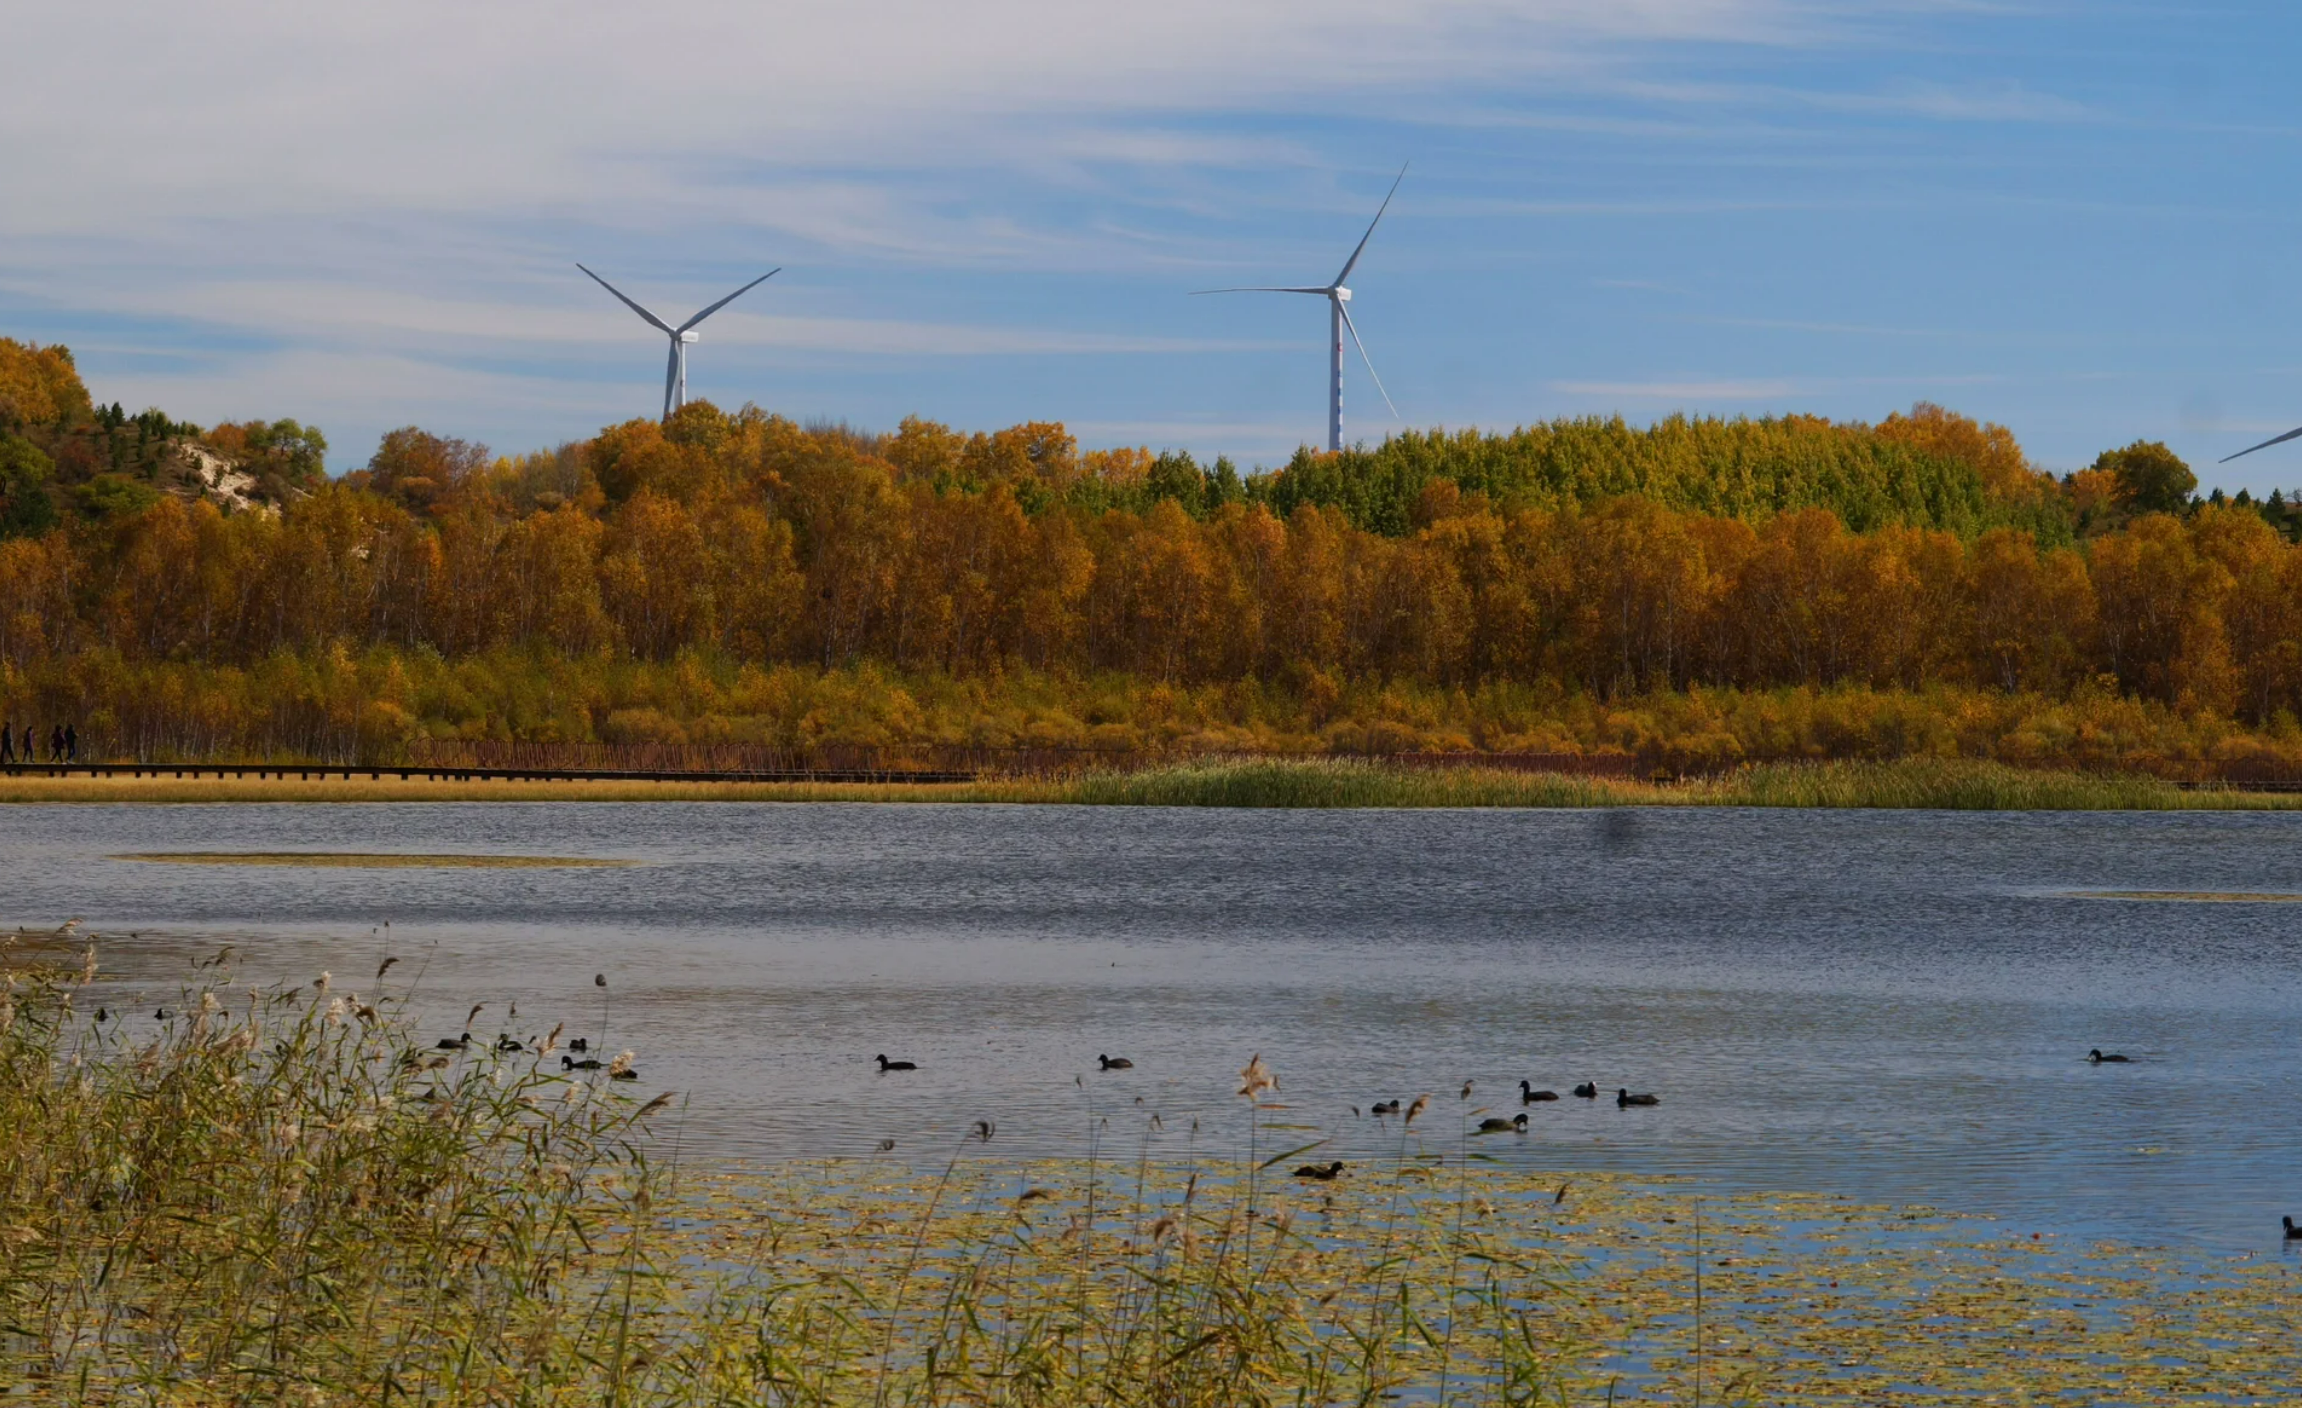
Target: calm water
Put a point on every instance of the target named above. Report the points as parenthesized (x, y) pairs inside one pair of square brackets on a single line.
[(1890, 1005)]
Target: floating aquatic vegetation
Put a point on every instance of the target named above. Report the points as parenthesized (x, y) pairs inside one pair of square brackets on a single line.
[(2187, 896), (381, 860)]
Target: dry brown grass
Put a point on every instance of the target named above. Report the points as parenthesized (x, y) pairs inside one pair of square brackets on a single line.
[(1265, 782)]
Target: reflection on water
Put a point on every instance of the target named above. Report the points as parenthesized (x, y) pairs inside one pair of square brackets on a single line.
[(1891, 1005)]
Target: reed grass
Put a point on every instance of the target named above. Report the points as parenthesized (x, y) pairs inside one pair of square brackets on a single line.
[(285, 1197), (1916, 783), (1910, 783)]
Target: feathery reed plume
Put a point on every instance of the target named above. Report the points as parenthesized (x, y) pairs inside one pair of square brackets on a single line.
[(1422, 1103), (320, 984), (1467, 1089), (622, 1062), (477, 1008), (88, 965), (385, 967), (1256, 1077), (653, 1105), (551, 1042)]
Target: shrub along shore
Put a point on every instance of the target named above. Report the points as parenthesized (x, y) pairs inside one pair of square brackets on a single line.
[(1927, 784)]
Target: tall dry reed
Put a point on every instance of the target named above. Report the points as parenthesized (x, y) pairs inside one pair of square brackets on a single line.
[(283, 1196)]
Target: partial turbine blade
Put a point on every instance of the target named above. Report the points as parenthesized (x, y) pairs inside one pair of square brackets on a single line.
[(2280, 440), (755, 283), (1198, 291), (671, 379), (611, 288), (1354, 327), (1353, 262)]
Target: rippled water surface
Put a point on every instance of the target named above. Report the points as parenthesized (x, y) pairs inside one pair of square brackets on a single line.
[(1891, 1005)]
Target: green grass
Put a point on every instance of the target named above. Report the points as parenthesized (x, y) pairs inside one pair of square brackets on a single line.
[(1271, 782), (1950, 785)]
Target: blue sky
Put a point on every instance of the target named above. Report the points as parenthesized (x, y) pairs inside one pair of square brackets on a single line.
[(2077, 219)]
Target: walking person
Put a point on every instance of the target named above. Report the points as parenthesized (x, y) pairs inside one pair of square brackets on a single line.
[(7, 742), (71, 744), (31, 745), (56, 744)]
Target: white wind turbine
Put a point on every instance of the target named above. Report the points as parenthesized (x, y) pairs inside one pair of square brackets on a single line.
[(675, 374), (2274, 440), (1338, 322)]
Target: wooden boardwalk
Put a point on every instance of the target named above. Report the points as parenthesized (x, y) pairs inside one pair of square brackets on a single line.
[(437, 772)]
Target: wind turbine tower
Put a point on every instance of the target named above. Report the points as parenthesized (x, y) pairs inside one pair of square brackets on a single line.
[(1338, 296), (675, 373)]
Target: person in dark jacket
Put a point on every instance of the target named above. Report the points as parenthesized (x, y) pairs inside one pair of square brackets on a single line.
[(56, 744), (7, 741), (71, 744), (31, 745)]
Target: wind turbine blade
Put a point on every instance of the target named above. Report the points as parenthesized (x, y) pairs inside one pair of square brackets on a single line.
[(1354, 327), (670, 380), (611, 288), (1353, 262), (2280, 440), (755, 283), (1198, 291)]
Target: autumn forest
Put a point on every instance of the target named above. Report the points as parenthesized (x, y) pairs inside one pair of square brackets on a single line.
[(1692, 594)]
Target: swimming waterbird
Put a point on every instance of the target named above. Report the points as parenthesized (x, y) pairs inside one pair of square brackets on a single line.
[(1116, 1063), (2099, 1059), (2293, 1233), (886, 1065), (1384, 1107), (1624, 1099), (1517, 1124), (1528, 1095), (570, 1063), (453, 1043), (1588, 1090), (1325, 1173)]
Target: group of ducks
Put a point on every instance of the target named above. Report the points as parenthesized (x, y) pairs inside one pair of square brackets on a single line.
[(1528, 1095), (1109, 1063), (1625, 1099), (505, 1041)]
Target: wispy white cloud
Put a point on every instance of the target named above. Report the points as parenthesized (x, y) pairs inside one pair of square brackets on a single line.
[(353, 315), (1761, 389)]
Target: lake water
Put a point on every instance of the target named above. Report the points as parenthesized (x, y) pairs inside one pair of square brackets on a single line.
[(1892, 1005)]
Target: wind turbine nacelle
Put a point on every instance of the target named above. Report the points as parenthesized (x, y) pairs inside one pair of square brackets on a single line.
[(691, 337), (1342, 295)]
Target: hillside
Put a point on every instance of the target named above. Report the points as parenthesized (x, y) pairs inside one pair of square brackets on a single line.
[(64, 457)]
